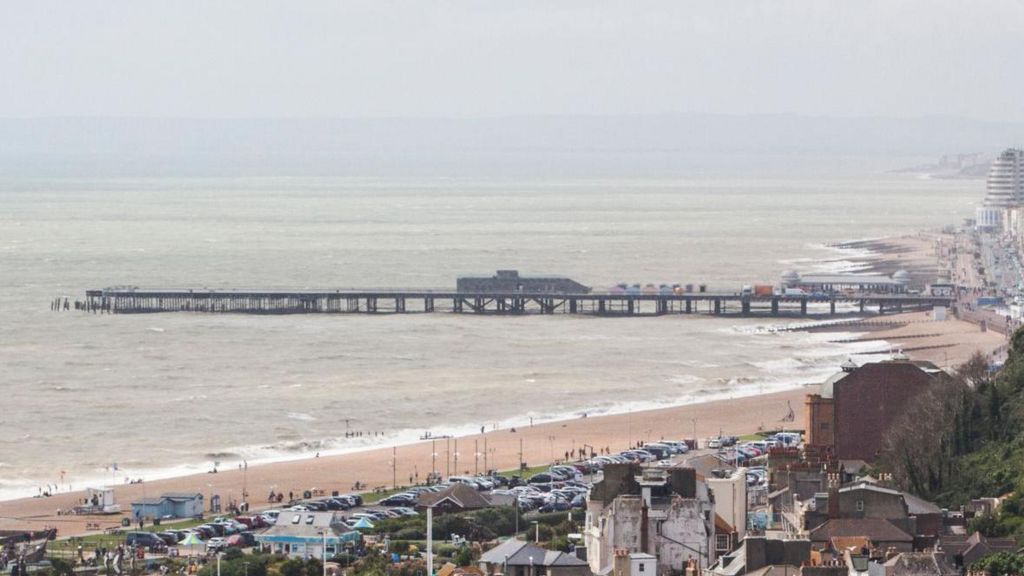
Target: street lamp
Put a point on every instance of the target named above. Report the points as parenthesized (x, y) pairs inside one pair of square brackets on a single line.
[(323, 551)]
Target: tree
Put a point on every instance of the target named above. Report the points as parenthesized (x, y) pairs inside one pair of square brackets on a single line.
[(1000, 564)]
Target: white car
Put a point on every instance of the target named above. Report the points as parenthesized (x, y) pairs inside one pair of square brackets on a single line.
[(216, 543)]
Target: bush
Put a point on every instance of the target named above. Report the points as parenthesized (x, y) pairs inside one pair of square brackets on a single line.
[(445, 550), (410, 534), (464, 557)]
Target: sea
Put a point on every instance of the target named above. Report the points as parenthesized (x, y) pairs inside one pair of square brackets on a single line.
[(90, 398)]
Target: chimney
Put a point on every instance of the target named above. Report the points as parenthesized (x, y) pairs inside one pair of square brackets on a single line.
[(621, 563), (833, 503), (643, 526)]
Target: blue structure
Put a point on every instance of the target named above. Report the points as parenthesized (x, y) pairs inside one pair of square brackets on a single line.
[(169, 505)]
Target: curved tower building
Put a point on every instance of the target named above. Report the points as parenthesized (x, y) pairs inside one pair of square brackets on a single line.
[(1005, 189)]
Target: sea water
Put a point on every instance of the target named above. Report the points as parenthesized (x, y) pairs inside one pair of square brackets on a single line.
[(169, 394)]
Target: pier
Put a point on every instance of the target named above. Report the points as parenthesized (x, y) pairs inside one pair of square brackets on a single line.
[(386, 301)]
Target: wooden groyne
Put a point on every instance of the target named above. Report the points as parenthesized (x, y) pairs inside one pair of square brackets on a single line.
[(145, 301)]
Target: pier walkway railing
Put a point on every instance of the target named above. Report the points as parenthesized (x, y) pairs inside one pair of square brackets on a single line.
[(132, 300)]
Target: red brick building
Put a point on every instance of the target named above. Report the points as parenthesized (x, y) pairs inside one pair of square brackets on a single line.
[(854, 409)]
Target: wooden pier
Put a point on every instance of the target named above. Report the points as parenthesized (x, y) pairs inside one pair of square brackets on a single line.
[(141, 301)]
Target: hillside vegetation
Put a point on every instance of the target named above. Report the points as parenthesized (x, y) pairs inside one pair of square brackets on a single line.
[(965, 439)]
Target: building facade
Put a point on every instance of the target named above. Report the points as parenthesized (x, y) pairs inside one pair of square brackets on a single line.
[(855, 408), (667, 513), (1005, 191)]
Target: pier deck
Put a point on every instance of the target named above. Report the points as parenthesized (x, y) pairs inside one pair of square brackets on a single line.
[(357, 301)]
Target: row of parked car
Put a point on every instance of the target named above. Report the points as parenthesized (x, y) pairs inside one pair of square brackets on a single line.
[(342, 502), (744, 452), (411, 496), (549, 498), (221, 533)]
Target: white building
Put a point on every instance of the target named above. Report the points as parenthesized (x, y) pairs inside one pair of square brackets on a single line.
[(667, 513), (730, 494), (1005, 191)]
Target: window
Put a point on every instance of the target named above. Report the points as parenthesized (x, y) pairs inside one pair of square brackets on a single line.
[(309, 520), (824, 427), (860, 505), (722, 542), (641, 566)]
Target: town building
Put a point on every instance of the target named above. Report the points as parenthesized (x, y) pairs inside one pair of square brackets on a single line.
[(517, 558), (881, 533), (963, 550), (757, 553), (729, 491), (1005, 191), (511, 282), (918, 518), (669, 514), (855, 408), (305, 534), (169, 505)]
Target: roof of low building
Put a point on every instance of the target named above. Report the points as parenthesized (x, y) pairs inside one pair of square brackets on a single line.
[(848, 279), (917, 505), (515, 552), (462, 495), (875, 529), (182, 495), (304, 524), (917, 564)]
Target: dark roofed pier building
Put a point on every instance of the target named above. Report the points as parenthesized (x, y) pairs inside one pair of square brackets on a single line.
[(511, 282)]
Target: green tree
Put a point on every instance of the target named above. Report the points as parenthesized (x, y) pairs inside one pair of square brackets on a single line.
[(1001, 564)]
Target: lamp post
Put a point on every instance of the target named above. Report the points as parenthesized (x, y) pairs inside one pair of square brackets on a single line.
[(430, 541), (323, 551)]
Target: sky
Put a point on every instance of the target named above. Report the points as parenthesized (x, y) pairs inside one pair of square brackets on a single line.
[(347, 59)]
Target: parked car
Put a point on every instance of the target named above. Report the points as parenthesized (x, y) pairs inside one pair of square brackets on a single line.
[(216, 544), (404, 499), (147, 540)]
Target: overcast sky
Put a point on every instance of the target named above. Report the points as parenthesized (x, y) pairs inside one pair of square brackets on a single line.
[(421, 58)]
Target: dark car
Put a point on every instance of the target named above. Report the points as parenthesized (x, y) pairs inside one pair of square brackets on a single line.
[(399, 500), (169, 538), (147, 540)]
